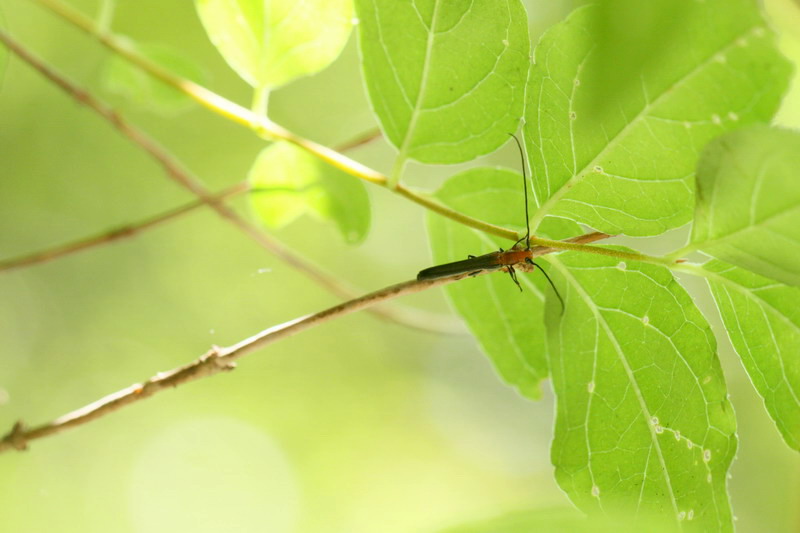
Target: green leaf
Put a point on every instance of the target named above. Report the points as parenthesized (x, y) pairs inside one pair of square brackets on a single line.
[(445, 78), (748, 202), (287, 182), (642, 416), (508, 324), (125, 79), (630, 170), (271, 42), (762, 319)]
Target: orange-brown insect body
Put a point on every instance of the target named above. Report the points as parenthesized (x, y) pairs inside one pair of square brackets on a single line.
[(513, 257)]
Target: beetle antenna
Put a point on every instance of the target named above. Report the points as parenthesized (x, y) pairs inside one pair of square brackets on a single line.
[(546, 275), (525, 189)]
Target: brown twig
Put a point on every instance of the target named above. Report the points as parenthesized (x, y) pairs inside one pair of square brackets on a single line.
[(415, 319), (116, 234), (365, 138), (219, 359), (212, 362)]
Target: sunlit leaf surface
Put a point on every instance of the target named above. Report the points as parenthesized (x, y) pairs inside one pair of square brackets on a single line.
[(630, 169), (445, 78), (748, 202), (271, 42), (642, 417), (287, 181), (762, 319)]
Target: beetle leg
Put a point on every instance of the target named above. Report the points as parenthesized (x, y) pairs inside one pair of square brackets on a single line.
[(513, 275)]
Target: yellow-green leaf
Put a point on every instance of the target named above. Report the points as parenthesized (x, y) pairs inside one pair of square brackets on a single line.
[(287, 182), (271, 42)]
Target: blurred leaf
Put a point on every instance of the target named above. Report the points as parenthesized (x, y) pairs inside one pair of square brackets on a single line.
[(446, 79), (271, 42), (3, 52), (762, 319), (562, 520), (747, 208), (630, 35), (508, 324), (287, 181), (632, 171), (642, 416), (127, 80)]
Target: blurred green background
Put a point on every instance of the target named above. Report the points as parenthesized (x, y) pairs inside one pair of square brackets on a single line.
[(356, 426)]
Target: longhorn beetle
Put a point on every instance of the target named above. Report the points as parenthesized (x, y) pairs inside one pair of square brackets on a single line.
[(500, 260)]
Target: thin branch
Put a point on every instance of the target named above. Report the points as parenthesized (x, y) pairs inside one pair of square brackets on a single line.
[(212, 362), (218, 359), (116, 234), (365, 138), (134, 228), (415, 319)]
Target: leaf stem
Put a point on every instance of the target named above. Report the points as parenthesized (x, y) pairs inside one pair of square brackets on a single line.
[(397, 170), (437, 207), (105, 16), (576, 247), (260, 101), (683, 252), (696, 270)]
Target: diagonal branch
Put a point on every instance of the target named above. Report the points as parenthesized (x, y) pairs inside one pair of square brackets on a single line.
[(415, 319), (211, 363), (116, 234), (218, 359)]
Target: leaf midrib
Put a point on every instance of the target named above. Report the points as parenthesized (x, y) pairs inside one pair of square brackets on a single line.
[(628, 372), (415, 112)]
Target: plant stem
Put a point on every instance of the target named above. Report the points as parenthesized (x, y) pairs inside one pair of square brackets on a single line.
[(260, 101), (683, 252), (105, 16), (631, 256), (445, 211), (696, 270), (213, 362), (399, 167)]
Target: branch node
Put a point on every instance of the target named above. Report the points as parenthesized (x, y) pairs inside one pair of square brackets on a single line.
[(216, 356), (16, 437)]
